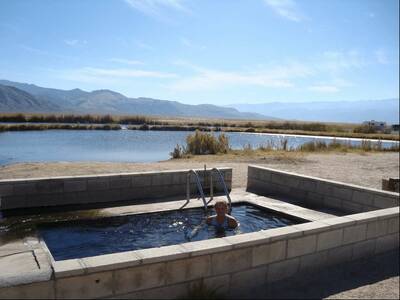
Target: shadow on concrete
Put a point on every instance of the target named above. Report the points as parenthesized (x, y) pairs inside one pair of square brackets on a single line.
[(335, 280)]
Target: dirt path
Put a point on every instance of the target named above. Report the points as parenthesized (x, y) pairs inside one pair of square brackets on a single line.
[(364, 280), (366, 170)]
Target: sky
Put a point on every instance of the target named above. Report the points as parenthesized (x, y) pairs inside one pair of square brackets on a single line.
[(206, 51)]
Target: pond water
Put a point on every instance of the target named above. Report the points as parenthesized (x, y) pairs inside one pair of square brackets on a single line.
[(121, 145)]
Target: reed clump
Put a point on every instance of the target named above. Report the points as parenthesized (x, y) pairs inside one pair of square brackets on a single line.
[(202, 143), (28, 127)]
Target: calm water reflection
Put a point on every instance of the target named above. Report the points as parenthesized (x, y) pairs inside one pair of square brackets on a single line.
[(115, 146)]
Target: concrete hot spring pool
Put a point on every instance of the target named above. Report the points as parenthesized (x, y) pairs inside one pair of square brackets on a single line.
[(83, 238), (137, 243)]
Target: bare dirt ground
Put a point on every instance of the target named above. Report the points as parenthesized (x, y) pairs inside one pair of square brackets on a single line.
[(376, 278)]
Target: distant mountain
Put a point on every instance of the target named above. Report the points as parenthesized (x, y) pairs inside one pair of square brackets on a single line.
[(108, 102), (336, 111), (13, 99)]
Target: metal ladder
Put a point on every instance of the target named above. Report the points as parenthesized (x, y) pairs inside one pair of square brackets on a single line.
[(200, 188), (222, 181)]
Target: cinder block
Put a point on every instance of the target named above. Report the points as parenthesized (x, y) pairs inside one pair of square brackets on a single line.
[(49, 186), (37, 290), (10, 202), (162, 179), (308, 185), (139, 278), (329, 239), (97, 184), (108, 262), (248, 279), (269, 253), (385, 201), (231, 261), (246, 239), (354, 234), (301, 246), (68, 268), (279, 178), (364, 198), (342, 192), (176, 291), (188, 269), (314, 261), (218, 283), (315, 199), (387, 243), (24, 188), (141, 180), (75, 198), (333, 202), (104, 196), (393, 225), (324, 188), (377, 228), (340, 255), (298, 194), (204, 247), (179, 178), (6, 190), (283, 269), (75, 185), (292, 181), (363, 249), (352, 207), (85, 287), (119, 183), (38, 200)]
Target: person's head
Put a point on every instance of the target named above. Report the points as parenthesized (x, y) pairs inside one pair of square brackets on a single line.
[(221, 207)]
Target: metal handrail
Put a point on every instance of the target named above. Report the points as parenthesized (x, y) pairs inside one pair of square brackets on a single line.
[(199, 187), (221, 179)]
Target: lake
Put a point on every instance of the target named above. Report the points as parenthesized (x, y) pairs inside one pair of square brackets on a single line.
[(121, 145)]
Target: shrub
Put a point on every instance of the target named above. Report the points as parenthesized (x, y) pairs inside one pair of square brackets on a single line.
[(364, 129), (178, 152), (206, 143), (202, 143)]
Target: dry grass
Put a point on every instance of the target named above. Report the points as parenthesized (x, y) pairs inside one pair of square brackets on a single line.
[(190, 124)]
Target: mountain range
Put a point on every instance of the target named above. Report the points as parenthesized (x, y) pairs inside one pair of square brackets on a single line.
[(336, 111), (23, 97)]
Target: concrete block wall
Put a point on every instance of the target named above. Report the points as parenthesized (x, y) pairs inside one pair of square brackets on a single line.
[(55, 191), (232, 263), (317, 192)]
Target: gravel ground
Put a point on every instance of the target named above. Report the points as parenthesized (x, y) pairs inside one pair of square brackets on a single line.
[(376, 278)]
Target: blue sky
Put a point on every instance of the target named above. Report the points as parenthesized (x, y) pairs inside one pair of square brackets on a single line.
[(206, 51)]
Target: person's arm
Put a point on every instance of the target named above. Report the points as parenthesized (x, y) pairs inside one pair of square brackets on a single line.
[(209, 219), (232, 223)]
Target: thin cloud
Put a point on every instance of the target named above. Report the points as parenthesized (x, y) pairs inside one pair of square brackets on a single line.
[(206, 79), (156, 8), (287, 9), (190, 44), (74, 42), (99, 75), (126, 61), (324, 88), (381, 57), (144, 45)]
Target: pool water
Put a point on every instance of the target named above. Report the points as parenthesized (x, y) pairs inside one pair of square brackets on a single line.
[(83, 238)]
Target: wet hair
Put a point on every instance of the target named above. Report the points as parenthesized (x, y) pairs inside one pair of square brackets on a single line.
[(221, 202)]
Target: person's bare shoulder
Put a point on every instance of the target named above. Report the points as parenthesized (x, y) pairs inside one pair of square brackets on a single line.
[(209, 219)]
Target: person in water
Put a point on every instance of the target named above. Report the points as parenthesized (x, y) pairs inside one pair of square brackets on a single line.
[(222, 220)]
